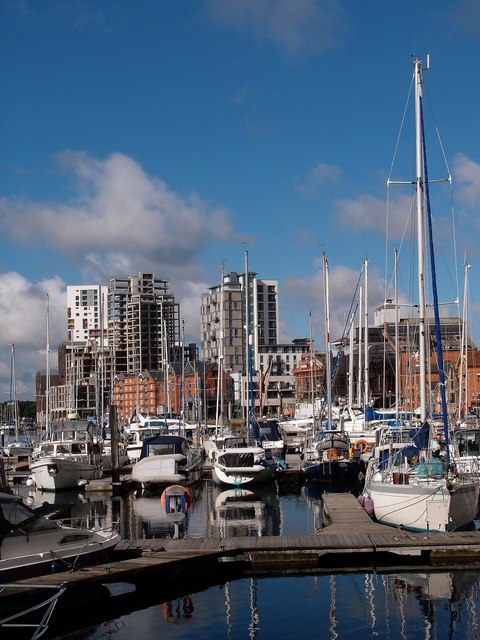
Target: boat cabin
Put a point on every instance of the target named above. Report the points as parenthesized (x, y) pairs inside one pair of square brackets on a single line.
[(163, 445)]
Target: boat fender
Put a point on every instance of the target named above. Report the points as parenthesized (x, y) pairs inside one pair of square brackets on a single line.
[(361, 445)]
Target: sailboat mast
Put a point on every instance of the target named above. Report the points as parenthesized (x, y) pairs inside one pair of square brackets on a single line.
[(397, 342), (219, 408), (366, 390), (350, 361), (420, 184), (47, 374), (463, 375), (326, 297), (312, 386), (13, 409), (249, 365), (359, 355)]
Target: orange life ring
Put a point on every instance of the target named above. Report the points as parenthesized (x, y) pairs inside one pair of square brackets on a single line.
[(361, 445), (180, 501)]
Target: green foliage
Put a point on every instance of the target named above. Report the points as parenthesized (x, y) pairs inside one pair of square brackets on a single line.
[(26, 410)]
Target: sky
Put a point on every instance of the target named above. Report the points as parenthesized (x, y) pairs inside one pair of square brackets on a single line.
[(169, 137)]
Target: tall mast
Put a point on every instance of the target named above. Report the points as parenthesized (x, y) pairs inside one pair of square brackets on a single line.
[(248, 346), (326, 297), (219, 409), (47, 374), (420, 185), (312, 389), (366, 390), (463, 374), (13, 408), (397, 344), (360, 371), (350, 361)]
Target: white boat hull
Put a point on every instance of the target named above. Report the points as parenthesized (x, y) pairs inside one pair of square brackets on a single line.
[(42, 551), (242, 476), (424, 507), (160, 470), (53, 473), (32, 544)]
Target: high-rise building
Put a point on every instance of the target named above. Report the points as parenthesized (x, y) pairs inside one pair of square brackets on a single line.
[(224, 332), (143, 323)]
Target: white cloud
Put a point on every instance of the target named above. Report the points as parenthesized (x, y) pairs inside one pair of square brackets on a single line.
[(307, 295), (317, 177), (369, 213), (120, 222), (118, 205), (467, 177), (23, 317), (299, 26)]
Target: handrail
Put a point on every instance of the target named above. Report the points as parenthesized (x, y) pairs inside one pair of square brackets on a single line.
[(14, 621)]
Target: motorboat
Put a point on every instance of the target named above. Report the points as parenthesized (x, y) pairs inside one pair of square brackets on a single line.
[(296, 432), (137, 436), (243, 461), (32, 544), (71, 457), (141, 427), (466, 450), (168, 459)]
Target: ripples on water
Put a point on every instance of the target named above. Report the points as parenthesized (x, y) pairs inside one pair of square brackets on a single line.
[(433, 605)]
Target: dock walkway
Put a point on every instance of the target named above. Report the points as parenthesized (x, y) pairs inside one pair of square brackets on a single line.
[(350, 541), (348, 530)]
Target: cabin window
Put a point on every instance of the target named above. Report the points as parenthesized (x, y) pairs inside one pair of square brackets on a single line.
[(160, 449), (23, 519)]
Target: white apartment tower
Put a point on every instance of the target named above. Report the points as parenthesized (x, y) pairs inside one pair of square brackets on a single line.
[(86, 313), (263, 320)]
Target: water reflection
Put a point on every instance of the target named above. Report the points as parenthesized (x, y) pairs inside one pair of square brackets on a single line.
[(430, 604), (238, 512), (260, 511)]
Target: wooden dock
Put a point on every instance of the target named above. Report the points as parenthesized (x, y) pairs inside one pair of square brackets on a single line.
[(349, 539), (164, 569)]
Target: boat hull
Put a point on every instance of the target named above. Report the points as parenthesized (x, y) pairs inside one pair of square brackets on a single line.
[(54, 473), (166, 470), (341, 471), (425, 507), (44, 553), (242, 476)]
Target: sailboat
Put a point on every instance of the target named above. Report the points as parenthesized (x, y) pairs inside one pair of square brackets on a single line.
[(14, 444), (330, 456), (412, 486), (69, 455)]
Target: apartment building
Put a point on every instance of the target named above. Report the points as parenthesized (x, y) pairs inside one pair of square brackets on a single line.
[(86, 313), (223, 328), (143, 323)]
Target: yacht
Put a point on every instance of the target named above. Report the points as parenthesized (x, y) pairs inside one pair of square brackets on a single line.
[(71, 457), (31, 544)]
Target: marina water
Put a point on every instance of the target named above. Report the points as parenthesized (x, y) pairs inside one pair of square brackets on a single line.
[(434, 605)]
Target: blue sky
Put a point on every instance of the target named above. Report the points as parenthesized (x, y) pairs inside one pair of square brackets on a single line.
[(169, 136)]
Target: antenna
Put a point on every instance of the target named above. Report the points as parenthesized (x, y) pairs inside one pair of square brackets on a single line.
[(428, 62)]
